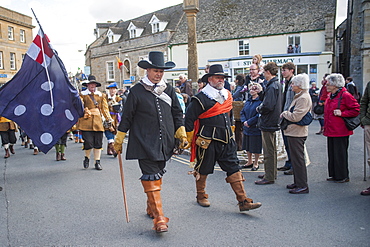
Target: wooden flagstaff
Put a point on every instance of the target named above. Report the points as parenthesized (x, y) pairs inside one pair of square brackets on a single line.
[(123, 186)]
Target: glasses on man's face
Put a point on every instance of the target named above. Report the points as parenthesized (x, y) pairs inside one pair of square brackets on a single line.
[(253, 69)]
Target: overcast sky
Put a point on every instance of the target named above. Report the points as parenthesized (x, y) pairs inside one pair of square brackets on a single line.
[(70, 24)]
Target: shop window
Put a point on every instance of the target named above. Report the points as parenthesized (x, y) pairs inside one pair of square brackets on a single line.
[(313, 73), (110, 71), (294, 44), (10, 33), (243, 47), (302, 69)]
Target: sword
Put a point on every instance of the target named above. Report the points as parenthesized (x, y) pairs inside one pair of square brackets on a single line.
[(123, 186)]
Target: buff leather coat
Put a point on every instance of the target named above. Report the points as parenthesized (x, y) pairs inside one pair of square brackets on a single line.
[(93, 121)]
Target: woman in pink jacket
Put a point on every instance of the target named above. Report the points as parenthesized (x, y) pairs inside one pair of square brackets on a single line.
[(335, 129)]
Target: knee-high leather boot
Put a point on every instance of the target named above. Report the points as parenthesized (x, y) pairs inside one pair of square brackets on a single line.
[(153, 192), (202, 197), (236, 182)]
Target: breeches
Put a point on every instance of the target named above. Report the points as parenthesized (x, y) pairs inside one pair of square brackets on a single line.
[(93, 139), (222, 153), (8, 137)]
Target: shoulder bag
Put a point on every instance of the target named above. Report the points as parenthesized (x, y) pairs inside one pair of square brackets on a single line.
[(351, 122)]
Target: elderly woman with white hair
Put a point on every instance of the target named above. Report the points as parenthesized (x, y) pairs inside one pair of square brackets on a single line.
[(340, 103), (296, 133)]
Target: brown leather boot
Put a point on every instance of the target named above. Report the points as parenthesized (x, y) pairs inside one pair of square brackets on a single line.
[(58, 156), (236, 182), (202, 197), (7, 154), (62, 157), (109, 149), (153, 192), (111, 146), (11, 149)]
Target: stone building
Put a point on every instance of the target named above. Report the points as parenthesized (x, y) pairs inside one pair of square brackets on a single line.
[(353, 43), (228, 32), (15, 38)]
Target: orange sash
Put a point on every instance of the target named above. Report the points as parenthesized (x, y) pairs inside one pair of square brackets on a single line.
[(215, 110)]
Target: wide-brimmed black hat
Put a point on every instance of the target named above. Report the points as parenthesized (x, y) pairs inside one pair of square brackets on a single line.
[(215, 69), (91, 79), (156, 61)]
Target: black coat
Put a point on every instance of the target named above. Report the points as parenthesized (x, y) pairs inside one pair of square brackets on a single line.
[(270, 107), (152, 124), (215, 128)]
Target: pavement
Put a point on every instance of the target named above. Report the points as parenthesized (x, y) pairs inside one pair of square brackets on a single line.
[(50, 203)]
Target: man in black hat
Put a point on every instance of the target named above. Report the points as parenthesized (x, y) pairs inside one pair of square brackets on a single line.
[(153, 115), (208, 126), (91, 124)]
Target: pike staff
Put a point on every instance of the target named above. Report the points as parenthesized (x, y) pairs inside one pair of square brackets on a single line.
[(123, 185)]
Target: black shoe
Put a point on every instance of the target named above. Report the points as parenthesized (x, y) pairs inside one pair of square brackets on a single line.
[(86, 162), (344, 180), (291, 186), (246, 166), (283, 168), (97, 165), (255, 168), (290, 172), (302, 190)]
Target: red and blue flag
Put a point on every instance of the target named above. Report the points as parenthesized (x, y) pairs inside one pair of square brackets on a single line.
[(40, 97)]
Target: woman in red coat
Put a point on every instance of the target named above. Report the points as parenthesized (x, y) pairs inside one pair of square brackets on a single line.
[(335, 129)]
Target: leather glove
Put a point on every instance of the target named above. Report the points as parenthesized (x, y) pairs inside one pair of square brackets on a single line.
[(189, 136), (118, 140), (87, 113), (181, 135)]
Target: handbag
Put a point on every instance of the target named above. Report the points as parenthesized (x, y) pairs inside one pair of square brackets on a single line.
[(318, 109), (306, 120), (351, 122), (284, 123)]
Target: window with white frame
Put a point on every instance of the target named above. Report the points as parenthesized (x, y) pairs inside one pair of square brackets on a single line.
[(294, 41), (110, 71), (155, 27), (10, 33), (12, 61), (1, 60), (22, 36), (132, 33), (243, 47)]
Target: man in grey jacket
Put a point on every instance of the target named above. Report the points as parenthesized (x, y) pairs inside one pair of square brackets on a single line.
[(268, 122), (287, 72)]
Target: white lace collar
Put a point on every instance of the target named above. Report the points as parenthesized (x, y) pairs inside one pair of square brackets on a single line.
[(149, 83), (87, 92), (214, 93)]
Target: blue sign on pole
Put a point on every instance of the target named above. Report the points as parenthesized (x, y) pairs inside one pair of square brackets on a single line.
[(132, 78), (128, 81)]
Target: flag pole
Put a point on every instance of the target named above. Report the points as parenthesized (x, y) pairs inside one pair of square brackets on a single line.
[(44, 60)]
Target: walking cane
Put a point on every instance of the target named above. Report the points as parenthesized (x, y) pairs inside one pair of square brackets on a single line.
[(365, 160), (123, 185)]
